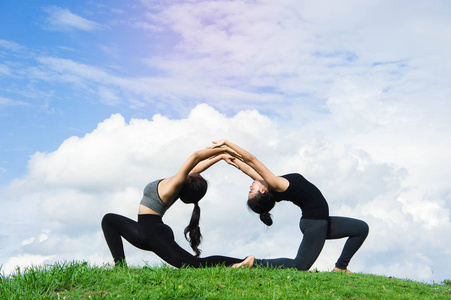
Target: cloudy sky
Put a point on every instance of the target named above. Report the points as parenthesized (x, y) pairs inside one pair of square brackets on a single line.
[(98, 98)]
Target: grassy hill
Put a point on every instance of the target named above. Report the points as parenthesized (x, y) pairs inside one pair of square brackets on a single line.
[(81, 281)]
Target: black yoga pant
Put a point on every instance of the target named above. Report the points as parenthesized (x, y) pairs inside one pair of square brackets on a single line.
[(150, 233), (316, 232)]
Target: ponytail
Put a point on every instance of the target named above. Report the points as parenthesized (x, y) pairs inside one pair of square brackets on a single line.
[(192, 192), (192, 231), (266, 218)]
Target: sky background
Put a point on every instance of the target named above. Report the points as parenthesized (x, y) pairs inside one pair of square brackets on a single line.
[(98, 98)]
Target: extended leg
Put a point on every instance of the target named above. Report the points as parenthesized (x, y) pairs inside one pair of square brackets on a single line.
[(315, 232), (159, 237)]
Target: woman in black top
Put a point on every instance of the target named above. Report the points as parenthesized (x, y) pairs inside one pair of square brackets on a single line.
[(316, 224)]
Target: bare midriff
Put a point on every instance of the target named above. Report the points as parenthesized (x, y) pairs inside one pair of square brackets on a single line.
[(144, 210)]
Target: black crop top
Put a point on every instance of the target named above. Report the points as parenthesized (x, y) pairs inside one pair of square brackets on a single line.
[(305, 195)]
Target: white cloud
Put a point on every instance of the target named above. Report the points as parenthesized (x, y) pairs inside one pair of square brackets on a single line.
[(9, 102), (4, 70), (12, 46), (301, 47), (66, 193), (170, 93), (61, 19), (42, 237), (108, 96), (22, 262), (277, 56), (259, 42)]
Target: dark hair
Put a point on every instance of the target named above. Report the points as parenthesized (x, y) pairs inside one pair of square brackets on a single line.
[(192, 191), (192, 231), (262, 204)]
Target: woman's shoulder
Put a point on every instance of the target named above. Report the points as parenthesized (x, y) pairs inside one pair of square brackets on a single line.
[(155, 182), (294, 179), (292, 176)]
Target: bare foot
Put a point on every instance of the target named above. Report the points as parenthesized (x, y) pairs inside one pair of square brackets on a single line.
[(247, 263), (341, 270)]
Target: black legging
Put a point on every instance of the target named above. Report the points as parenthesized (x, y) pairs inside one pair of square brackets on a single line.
[(316, 232), (150, 233)]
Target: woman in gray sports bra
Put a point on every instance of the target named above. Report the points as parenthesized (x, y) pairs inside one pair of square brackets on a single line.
[(150, 233)]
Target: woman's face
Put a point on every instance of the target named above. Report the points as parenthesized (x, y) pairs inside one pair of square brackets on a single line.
[(257, 186)]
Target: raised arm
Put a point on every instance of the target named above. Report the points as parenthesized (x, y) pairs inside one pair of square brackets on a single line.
[(207, 163), (197, 162), (245, 168), (278, 184)]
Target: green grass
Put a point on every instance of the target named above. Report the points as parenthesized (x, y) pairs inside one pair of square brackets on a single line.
[(81, 281)]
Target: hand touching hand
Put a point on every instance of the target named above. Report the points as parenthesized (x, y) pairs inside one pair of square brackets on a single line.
[(218, 143), (223, 144), (230, 160)]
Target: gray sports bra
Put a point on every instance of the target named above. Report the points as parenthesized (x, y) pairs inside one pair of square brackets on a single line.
[(152, 200)]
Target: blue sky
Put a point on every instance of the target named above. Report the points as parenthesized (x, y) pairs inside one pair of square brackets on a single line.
[(97, 98), (40, 112)]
